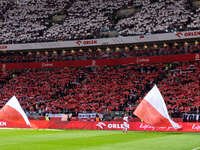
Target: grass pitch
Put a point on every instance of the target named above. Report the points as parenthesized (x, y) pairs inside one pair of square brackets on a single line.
[(22, 139)]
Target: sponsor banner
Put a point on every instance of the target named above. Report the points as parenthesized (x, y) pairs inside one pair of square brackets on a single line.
[(86, 115), (103, 41), (191, 117), (86, 42), (55, 115), (92, 125), (6, 124), (3, 47), (104, 62), (3, 124)]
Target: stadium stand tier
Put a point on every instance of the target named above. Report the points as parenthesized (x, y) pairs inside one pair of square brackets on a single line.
[(23, 21), (103, 88), (98, 88)]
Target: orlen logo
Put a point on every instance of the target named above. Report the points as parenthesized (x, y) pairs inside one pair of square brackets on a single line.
[(179, 34), (116, 126), (86, 42), (3, 124), (101, 125), (3, 46), (110, 125), (188, 34)]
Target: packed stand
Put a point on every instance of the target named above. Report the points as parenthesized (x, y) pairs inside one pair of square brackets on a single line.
[(92, 89), (103, 89), (26, 22), (47, 20), (181, 88), (161, 16), (32, 20)]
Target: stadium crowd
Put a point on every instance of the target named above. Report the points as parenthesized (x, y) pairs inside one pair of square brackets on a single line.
[(103, 88), (46, 20), (97, 88)]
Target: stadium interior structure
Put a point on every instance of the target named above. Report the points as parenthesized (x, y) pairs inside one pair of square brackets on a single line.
[(110, 89), (24, 21)]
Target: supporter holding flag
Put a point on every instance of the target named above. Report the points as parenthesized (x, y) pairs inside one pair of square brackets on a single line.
[(13, 112), (153, 111)]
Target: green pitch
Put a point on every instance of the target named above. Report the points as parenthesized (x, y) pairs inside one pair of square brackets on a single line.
[(22, 139)]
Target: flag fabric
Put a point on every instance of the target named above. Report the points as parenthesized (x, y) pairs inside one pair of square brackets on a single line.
[(13, 112), (153, 111)]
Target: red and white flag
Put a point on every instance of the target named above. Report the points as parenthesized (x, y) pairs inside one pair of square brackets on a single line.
[(153, 111), (13, 112)]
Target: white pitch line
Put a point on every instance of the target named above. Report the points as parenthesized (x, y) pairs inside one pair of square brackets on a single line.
[(7, 144), (197, 148), (31, 129)]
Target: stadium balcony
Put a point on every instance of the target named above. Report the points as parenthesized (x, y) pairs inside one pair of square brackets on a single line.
[(92, 53)]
